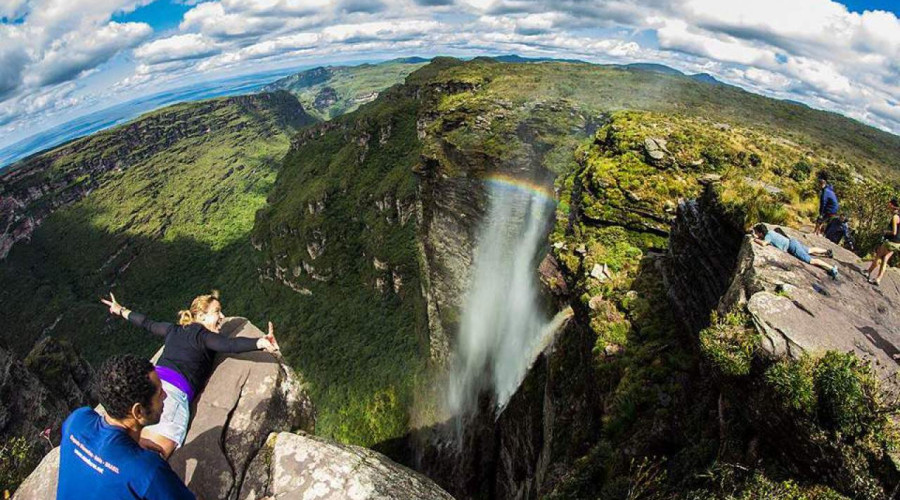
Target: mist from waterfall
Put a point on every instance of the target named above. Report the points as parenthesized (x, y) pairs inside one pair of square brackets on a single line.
[(501, 322)]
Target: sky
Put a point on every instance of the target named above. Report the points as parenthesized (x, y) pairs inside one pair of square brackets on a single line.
[(62, 59)]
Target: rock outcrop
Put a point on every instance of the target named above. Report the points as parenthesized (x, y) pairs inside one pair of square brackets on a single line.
[(247, 397), (308, 467), (239, 445), (798, 309)]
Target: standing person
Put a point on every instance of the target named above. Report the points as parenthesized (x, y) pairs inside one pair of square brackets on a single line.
[(99, 456), (890, 244), (187, 362), (764, 236), (828, 203)]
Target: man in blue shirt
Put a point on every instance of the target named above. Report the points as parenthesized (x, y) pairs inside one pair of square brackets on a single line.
[(763, 236), (100, 455), (828, 203)]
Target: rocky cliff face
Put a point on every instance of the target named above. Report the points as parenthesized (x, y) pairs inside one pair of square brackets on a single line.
[(522, 449), (703, 253), (39, 392)]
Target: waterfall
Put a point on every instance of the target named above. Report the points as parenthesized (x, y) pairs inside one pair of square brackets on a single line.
[(501, 322)]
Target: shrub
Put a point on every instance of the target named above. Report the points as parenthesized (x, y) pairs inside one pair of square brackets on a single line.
[(865, 203), (794, 384), (847, 392), (18, 458), (800, 171), (729, 342)]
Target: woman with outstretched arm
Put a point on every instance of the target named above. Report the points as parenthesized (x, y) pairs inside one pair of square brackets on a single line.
[(186, 362)]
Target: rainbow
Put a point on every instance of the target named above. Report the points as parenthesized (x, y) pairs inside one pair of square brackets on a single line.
[(506, 181)]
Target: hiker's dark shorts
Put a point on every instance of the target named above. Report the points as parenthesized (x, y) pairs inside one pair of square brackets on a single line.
[(797, 249)]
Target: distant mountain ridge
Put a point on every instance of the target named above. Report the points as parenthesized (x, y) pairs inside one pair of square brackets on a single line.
[(330, 91)]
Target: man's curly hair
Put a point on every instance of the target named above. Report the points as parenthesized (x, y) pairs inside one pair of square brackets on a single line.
[(124, 382)]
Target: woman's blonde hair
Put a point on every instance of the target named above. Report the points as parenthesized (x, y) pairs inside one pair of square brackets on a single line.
[(198, 306)]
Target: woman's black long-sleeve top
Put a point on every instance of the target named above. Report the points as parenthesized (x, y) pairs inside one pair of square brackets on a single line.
[(190, 349)]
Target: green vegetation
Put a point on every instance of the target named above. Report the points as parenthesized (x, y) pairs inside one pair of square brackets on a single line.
[(353, 191), (616, 206), (837, 392), (173, 221), (729, 342), (18, 457)]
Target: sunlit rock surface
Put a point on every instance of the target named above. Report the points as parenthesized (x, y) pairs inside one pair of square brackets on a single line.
[(799, 309), (307, 467)]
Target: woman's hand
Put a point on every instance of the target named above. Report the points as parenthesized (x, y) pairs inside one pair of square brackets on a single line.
[(115, 308), (268, 343)]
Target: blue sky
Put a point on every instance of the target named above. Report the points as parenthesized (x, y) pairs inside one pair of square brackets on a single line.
[(864, 5), (63, 59), (161, 15)]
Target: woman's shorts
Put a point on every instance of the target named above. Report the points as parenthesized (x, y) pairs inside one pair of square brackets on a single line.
[(797, 249), (176, 414)]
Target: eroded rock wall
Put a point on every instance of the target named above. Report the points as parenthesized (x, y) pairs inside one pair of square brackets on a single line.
[(700, 264)]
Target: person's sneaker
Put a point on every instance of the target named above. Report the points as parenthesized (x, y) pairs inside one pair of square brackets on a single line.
[(833, 273)]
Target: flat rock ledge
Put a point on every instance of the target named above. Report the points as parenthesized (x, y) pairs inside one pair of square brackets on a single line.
[(798, 308)]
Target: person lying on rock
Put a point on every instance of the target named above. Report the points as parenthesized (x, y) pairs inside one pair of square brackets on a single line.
[(889, 245), (187, 362), (764, 236), (99, 456)]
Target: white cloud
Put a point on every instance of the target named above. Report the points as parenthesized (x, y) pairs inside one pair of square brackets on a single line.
[(815, 51), (47, 101), (177, 47), (78, 51)]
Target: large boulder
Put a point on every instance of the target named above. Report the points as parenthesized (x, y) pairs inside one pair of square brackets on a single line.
[(247, 397), (301, 466), (41, 484)]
